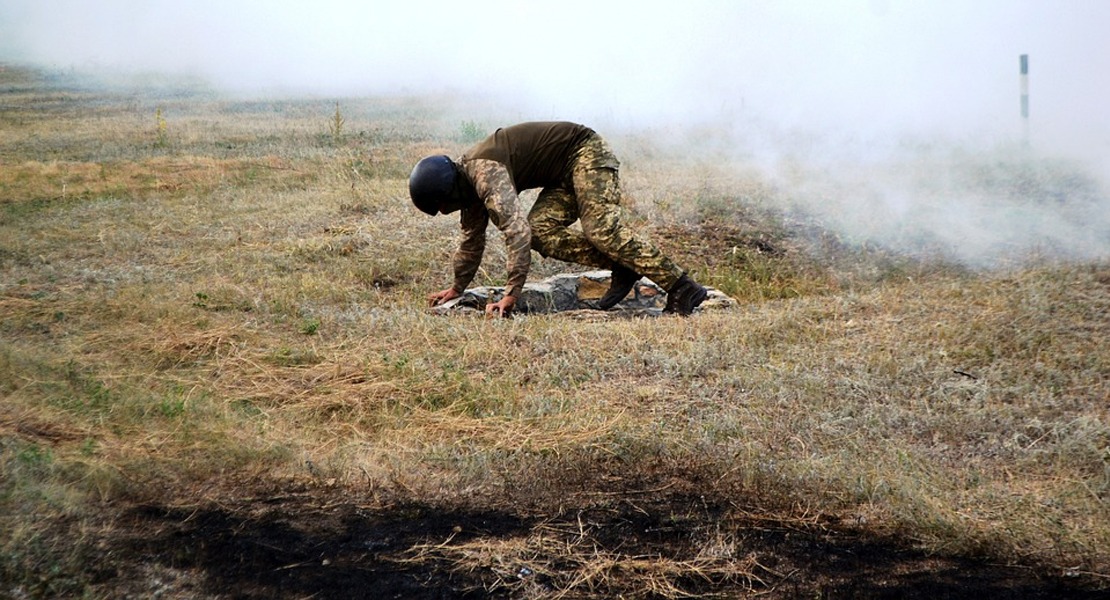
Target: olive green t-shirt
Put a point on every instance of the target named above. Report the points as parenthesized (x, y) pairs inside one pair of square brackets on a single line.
[(514, 159), (537, 154)]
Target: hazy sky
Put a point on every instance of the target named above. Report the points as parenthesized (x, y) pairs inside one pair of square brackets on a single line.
[(865, 66)]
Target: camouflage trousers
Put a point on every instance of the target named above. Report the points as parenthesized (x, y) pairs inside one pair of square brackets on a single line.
[(592, 195)]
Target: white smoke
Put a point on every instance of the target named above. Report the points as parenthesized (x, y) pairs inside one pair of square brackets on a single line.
[(842, 87), (982, 207)]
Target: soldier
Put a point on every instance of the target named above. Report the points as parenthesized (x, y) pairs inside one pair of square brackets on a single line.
[(578, 174)]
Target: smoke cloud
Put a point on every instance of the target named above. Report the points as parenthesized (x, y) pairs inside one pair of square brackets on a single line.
[(890, 106)]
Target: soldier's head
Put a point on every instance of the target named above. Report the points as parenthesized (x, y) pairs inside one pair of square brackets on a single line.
[(435, 186)]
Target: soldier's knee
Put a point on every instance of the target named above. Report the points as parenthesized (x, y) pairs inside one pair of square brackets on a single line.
[(539, 246), (536, 220), (601, 236), (541, 228), (543, 242)]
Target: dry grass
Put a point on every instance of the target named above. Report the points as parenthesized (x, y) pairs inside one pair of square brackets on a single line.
[(571, 565), (244, 301)]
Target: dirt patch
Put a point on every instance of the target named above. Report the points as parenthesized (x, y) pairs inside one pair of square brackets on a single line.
[(302, 544)]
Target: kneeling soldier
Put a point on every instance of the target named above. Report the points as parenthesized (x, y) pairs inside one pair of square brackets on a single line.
[(578, 175)]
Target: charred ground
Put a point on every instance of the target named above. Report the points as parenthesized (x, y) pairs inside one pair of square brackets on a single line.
[(298, 541)]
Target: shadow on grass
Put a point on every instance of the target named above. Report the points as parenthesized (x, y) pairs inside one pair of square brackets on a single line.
[(298, 547)]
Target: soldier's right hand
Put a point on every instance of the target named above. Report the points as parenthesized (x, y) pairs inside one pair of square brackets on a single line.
[(437, 298)]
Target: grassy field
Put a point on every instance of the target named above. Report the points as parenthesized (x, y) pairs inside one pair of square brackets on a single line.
[(218, 380)]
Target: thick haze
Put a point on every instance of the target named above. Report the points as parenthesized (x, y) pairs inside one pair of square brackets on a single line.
[(844, 85)]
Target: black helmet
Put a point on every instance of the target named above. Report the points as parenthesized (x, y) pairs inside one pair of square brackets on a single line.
[(431, 182)]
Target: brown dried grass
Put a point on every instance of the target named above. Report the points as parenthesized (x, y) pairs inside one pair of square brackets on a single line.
[(199, 317)]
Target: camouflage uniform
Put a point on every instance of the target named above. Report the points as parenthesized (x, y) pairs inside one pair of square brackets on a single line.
[(593, 196), (586, 188), (498, 202)]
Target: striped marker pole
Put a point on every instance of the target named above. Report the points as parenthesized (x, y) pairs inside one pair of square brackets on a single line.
[(1025, 96)]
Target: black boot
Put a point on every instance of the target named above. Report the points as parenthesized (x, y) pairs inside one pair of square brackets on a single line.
[(685, 296), (622, 282)]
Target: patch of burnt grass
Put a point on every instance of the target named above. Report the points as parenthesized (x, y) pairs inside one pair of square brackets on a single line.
[(296, 541)]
